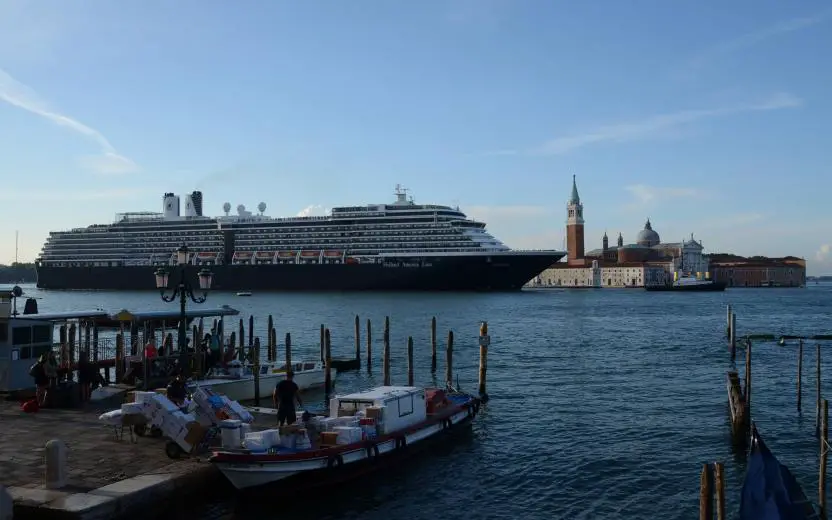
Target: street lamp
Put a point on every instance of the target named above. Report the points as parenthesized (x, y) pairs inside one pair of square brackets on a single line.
[(183, 290)]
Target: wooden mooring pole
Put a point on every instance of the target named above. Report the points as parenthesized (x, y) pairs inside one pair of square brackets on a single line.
[(270, 347), (410, 361), (433, 345), (706, 494), (824, 453), (256, 370), (327, 362), (358, 341), (323, 342), (449, 360), (817, 390), (747, 393), (386, 360), (712, 489), (728, 322), (288, 351), (799, 372), (485, 341), (733, 336), (369, 346), (719, 484)]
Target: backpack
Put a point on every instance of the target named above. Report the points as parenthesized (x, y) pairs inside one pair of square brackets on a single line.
[(34, 370)]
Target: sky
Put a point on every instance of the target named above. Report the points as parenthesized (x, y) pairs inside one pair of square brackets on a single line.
[(708, 117)]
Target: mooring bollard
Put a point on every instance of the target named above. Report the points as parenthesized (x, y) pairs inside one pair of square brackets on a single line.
[(6, 504), (55, 462), (485, 340)]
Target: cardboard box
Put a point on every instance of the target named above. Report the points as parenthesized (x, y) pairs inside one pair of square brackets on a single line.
[(196, 432), (329, 438)]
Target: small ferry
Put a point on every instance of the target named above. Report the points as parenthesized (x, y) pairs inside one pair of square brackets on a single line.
[(362, 428), (236, 380)]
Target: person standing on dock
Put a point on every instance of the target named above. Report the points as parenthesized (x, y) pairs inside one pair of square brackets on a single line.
[(86, 375), (285, 394), (38, 372)]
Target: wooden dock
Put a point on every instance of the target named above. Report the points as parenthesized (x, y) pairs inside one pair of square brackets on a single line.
[(106, 475)]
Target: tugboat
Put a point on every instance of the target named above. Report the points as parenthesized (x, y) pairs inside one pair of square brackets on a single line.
[(687, 281)]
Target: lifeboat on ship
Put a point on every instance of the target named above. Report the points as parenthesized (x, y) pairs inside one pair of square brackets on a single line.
[(206, 257), (263, 257), (310, 255), (241, 257), (286, 255), (333, 254)]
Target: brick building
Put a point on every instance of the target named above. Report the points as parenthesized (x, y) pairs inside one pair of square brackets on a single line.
[(759, 271)]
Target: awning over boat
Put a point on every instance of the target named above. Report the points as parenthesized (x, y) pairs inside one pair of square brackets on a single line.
[(770, 491), (139, 317)]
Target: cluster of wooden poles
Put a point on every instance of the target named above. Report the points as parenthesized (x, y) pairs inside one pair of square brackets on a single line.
[(712, 485)]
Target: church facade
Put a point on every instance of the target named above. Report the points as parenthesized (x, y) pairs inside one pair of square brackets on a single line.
[(647, 261)]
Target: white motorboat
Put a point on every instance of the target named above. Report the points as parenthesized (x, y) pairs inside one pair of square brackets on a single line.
[(236, 381), (362, 429), (244, 293)]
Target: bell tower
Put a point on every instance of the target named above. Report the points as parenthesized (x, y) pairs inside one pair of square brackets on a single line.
[(574, 228)]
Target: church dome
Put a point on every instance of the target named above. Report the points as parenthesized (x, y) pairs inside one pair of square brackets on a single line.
[(647, 237)]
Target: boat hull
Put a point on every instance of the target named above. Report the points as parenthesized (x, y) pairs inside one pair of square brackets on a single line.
[(311, 473), (243, 389), (475, 272), (707, 287)]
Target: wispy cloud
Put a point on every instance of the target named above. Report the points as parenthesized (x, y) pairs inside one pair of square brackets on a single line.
[(652, 126), (645, 195), (753, 38), (824, 253), (108, 161), (313, 210)]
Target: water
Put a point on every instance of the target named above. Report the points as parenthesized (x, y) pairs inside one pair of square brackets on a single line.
[(604, 404)]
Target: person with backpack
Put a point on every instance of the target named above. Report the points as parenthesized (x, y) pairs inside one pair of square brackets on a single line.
[(38, 373)]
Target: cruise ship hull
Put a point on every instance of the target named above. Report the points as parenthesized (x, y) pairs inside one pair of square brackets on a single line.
[(496, 272)]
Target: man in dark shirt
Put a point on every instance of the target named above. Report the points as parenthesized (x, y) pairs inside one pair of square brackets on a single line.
[(284, 396)]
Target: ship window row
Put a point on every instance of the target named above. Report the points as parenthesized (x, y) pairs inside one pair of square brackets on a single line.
[(157, 233), (385, 247), (214, 225)]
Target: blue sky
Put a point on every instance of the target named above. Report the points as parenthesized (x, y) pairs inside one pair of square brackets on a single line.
[(708, 117)]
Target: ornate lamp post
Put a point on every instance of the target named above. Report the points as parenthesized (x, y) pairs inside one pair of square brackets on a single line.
[(184, 291)]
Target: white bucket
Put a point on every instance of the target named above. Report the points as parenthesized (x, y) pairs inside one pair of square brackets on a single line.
[(230, 429)]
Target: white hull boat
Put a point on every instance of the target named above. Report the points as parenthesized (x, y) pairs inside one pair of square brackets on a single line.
[(319, 464), (237, 382)]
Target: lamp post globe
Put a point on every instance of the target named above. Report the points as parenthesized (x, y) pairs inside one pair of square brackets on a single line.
[(183, 290)]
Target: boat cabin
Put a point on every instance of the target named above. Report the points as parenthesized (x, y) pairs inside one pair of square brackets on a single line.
[(25, 337), (394, 407)]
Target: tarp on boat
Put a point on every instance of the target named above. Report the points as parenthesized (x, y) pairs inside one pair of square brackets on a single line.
[(770, 491)]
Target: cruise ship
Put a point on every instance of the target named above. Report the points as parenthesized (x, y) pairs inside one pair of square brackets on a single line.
[(401, 246)]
